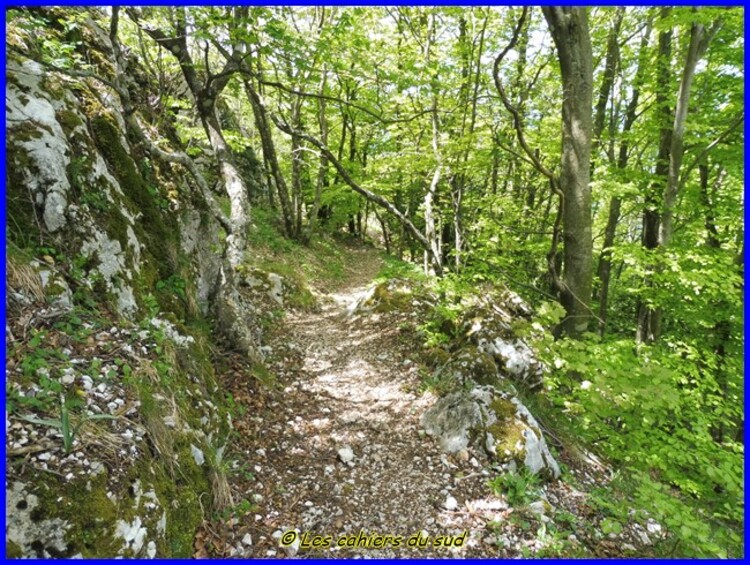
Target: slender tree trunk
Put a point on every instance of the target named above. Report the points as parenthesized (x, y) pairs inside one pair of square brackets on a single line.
[(612, 60), (297, 197), (700, 37), (323, 162), (269, 154), (431, 233), (235, 189), (615, 204), (649, 322)]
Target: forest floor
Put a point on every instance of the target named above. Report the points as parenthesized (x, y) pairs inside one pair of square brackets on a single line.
[(332, 446)]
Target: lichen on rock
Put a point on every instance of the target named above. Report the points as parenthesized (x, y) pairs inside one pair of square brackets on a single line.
[(494, 421)]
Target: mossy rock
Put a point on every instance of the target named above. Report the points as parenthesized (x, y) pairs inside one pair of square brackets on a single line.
[(469, 365), (495, 422), (508, 431), (436, 356), (162, 236), (389, 296)]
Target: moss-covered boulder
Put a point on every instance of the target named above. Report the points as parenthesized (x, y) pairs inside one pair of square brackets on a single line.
[(494, 422), (490, 327), (469, 366), (279, 290), (391, 295)]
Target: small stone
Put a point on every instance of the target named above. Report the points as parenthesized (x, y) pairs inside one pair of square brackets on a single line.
[(151, 550), (87, 382), (68, 379), (346, 454), (292, 549), (198, 456), (247, 540), (540, 507), (450, 503)]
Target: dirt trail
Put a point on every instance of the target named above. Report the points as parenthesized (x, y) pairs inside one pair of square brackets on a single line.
[(355, 386)]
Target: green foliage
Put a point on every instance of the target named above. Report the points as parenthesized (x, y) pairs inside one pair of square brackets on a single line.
[(394, 268), (174, 284), (519, 488), (655, 413)]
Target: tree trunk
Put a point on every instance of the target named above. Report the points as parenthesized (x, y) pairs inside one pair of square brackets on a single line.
[(323, 163), (671, 153), (699, 40), (269, 154), (205, 95), (605, 259), (569, 28), (649, 322), (431, 233), (296, 169)]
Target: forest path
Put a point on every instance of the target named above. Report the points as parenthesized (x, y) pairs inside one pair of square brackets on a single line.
[(353, 386)]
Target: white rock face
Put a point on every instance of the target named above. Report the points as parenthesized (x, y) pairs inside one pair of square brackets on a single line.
[(55, 287), (276, 292), (133, 534), (198, 456), (171, 332), (22, 530), (516, 355), (46, 145)]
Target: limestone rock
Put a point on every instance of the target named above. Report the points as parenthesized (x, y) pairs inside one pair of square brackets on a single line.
[(469, 365), (34, 537), (494, 420), (383, 297), (346, 455), (490, 327)]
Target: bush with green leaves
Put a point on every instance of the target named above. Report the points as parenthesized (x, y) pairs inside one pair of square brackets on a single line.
[(657, 414)]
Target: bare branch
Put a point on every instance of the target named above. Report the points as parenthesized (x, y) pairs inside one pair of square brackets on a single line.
[(371, 196)]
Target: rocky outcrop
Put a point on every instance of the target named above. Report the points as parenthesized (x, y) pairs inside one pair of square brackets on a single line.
[(388, 296), (494, 422), (488, 323), (469, 366), (116, 290)]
